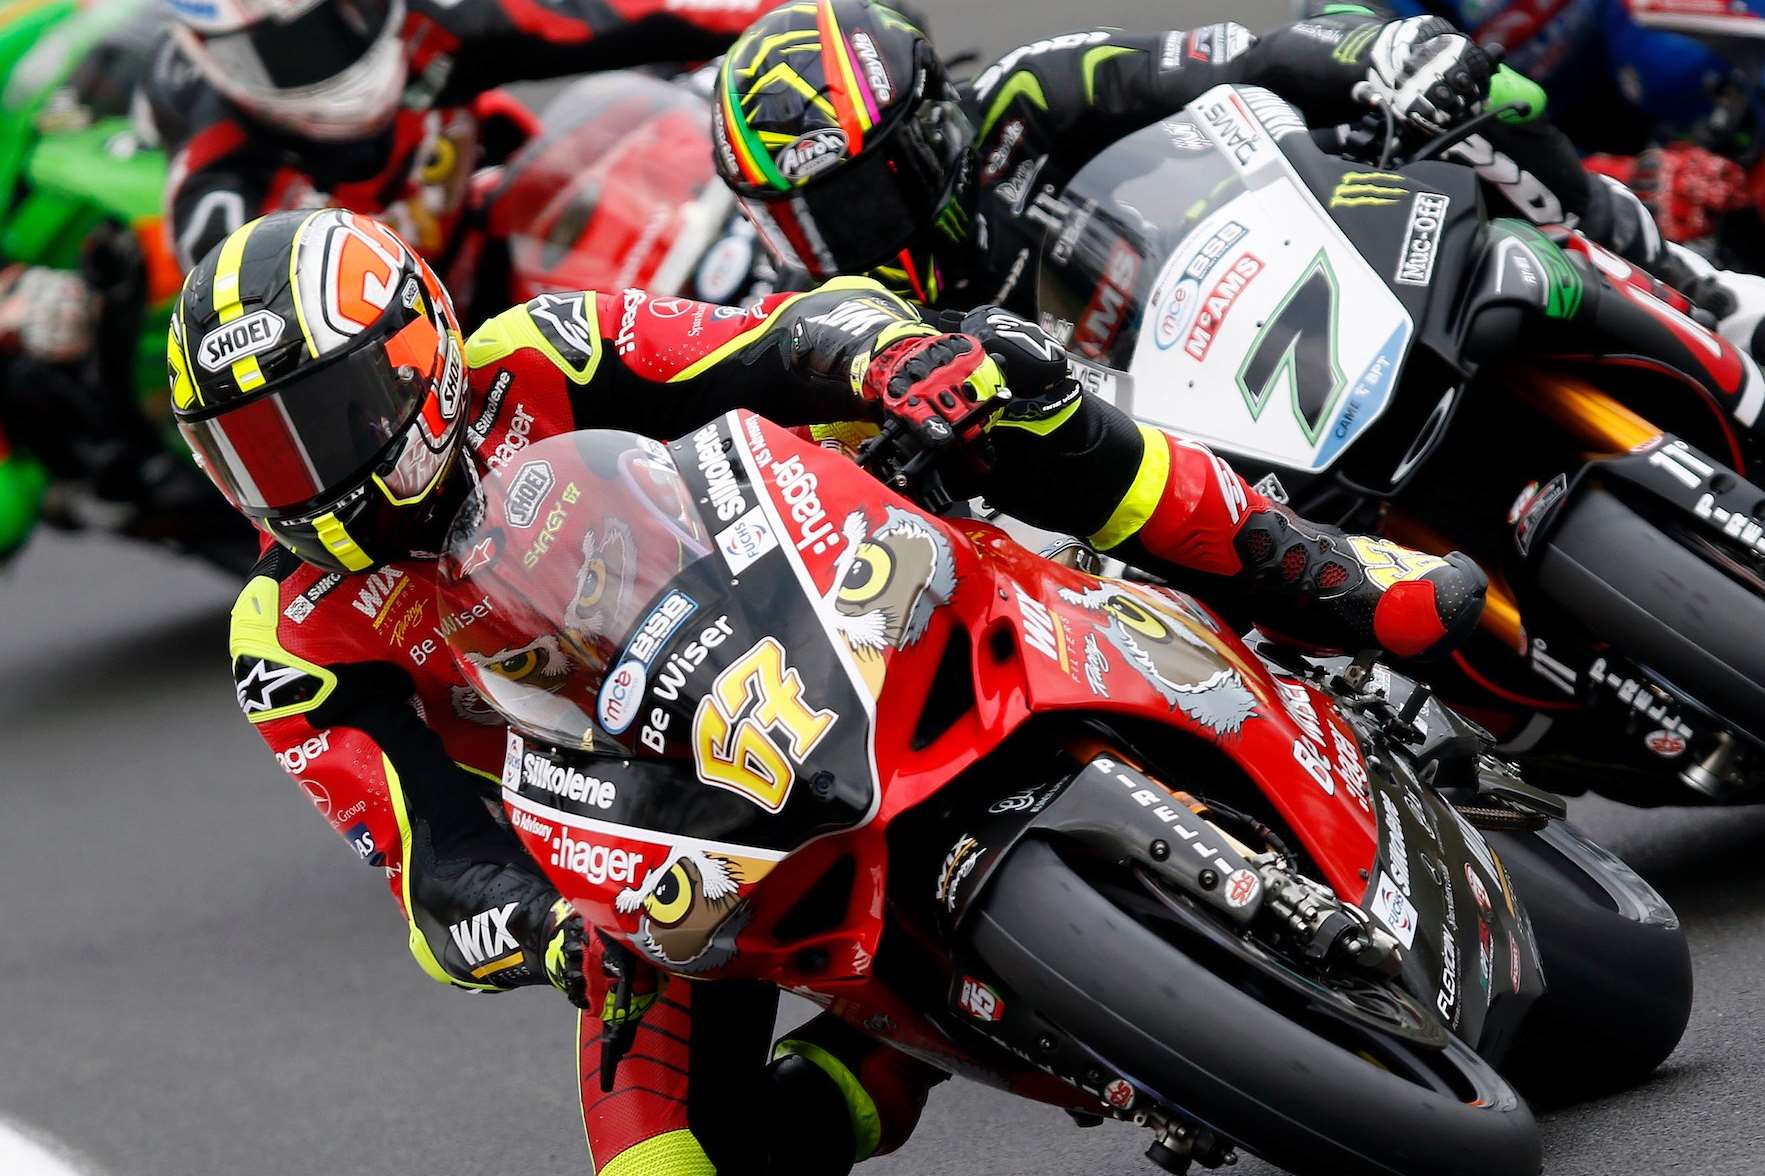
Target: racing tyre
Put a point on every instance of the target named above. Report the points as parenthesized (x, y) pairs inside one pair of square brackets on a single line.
[(1617, 969), (1252, 1073)]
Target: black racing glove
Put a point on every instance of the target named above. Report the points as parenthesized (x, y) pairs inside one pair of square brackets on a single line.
[(566, 947), (1034, 365), (1430, 74)]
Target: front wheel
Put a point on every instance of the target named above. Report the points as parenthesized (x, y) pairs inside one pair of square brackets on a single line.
[(1298, 1090)]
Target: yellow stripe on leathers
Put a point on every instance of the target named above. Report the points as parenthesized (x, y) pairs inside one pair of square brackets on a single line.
[(513, 329), (673, 1153), (1143, 495), (229, 306)]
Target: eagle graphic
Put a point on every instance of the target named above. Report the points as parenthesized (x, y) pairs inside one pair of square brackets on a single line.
[(887, 583), (1163, 642), (692, 911)]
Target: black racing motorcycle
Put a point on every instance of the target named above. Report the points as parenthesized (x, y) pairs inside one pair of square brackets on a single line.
[(1359, 333)]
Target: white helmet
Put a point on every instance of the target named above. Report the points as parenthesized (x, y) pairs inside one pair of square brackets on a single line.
[(325, 69)]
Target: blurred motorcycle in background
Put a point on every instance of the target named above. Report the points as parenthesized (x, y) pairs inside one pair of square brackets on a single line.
[(86, 441), (616, 190)]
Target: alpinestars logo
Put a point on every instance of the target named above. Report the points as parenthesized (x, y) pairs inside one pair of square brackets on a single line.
[(485, 935), (266, 686)]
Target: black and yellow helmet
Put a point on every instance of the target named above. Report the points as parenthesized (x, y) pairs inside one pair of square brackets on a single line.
[(843, 138), (318, 373)]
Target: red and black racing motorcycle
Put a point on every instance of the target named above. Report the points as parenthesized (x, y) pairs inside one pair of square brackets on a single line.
[(1068, 835)]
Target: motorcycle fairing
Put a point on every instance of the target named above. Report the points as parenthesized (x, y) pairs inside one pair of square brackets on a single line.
[(1630, 325), (1262, 290)]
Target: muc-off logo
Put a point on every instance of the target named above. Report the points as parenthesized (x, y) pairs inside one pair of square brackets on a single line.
[(812, 154), (240, 339), (527, 491), (1421, 242)]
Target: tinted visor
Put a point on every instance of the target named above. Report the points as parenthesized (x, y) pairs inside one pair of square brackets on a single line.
[(863, 212), (314, 47), (323, 429)]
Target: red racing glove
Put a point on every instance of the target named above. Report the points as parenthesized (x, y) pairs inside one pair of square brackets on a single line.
[(933, 384)]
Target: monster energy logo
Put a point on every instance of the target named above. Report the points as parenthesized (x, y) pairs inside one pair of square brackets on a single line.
[(953, 221), (1357, 189), (1349, 49)]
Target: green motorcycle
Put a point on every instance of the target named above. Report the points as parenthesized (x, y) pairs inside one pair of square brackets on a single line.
[(91, 446)]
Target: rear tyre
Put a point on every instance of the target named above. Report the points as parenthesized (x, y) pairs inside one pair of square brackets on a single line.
[(1660, 603), (1247, 1071), (1618, 985)]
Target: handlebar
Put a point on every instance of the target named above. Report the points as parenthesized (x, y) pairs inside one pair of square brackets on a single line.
[(1382, 126), (908, 462)]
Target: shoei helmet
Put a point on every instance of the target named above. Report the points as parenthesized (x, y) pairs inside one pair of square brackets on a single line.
[(317, 372), (326, 69), (843, 138)]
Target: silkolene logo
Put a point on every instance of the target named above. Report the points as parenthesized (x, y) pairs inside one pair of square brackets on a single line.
[(540, 773)]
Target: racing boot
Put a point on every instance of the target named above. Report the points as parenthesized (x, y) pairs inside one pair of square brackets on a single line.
[(1309, 581), (1314, 578)]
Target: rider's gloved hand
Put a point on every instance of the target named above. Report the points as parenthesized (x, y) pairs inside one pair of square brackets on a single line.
[(566, 948), (1034, 365), (48, 314), (1430, 74), (933, 384)]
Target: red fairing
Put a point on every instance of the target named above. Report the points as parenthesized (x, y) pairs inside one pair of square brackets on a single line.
[(612, 201), (1077, 643)]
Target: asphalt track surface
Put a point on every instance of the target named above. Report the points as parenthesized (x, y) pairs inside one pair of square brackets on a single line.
[(197, 976)]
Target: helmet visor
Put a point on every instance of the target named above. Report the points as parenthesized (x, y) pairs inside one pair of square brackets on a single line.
[(319, 44), (860, 214), (322, 430)]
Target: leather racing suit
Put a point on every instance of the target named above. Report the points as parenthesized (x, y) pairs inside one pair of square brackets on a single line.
[(227, 167), (1045, 109), (349, 679)]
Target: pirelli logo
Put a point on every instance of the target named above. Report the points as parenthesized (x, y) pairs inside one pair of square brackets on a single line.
[(1360, 189)]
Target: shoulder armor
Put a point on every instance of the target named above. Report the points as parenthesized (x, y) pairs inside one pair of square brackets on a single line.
[(565, 328), (269, 682)]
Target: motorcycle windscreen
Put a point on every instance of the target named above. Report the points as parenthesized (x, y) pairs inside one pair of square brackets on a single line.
[(590, 596), (1191, 254), (618, 190)]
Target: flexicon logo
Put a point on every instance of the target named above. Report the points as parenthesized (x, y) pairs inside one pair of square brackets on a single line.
[(1358, 189)]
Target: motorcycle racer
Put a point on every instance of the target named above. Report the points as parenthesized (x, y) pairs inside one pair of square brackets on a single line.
[(378, 105), (318, 370), (937, 187), (80, 283)]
